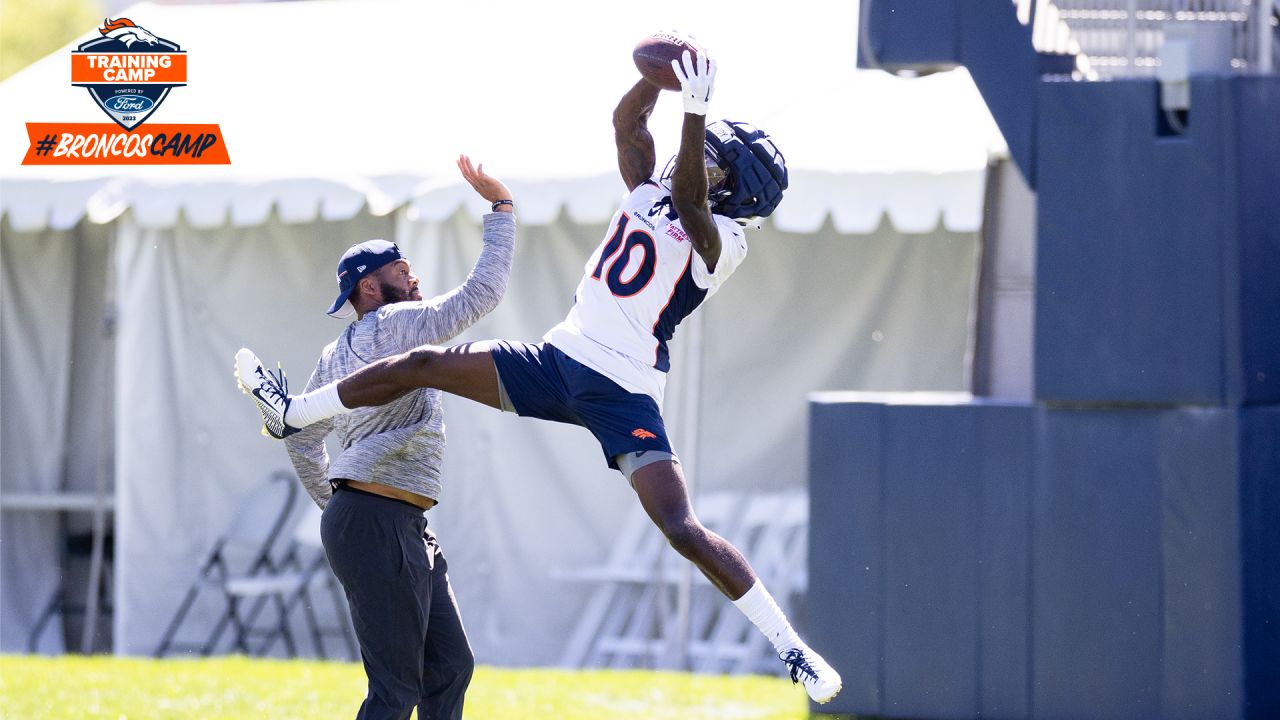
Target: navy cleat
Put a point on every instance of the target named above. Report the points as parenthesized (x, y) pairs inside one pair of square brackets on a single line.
[(808, 668), (269, 390)]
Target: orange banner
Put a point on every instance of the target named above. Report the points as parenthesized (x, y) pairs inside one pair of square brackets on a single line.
[(110, 144), (89, 68)]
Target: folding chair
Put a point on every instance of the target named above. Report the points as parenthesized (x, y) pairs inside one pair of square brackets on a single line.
[(618, 627), (772, 533), (289, 586), (247, 547), (623, 623)]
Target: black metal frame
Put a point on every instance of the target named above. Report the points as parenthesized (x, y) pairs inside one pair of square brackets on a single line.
[(286, 602), (215, 572)]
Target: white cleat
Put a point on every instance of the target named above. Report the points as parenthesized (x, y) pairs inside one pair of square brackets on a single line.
[(269, 390), (807, 667)]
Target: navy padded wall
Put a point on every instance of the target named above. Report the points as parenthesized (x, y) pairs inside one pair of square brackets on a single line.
[(1137, 564), (1097, 568), (1158, 258), (1257, 105), (1200, 471), (1129, 266), (1260, 537), (930, 573), (1024, 561), (919, 559), (1005, 574), (843, 599)]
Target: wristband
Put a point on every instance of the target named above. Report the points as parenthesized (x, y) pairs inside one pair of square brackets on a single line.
[(499, 203)]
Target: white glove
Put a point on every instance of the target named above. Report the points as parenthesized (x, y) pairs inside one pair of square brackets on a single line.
[(697, 81)]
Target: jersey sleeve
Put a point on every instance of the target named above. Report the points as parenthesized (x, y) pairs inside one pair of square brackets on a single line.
[(733, 249)]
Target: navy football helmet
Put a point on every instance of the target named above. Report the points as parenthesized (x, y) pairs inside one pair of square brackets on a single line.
[(745, 172)]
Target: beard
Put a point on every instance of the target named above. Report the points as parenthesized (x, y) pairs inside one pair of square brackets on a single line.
[(393, 294)]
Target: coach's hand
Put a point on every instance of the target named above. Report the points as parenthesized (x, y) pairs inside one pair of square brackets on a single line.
[(697, 81), (489, 187)]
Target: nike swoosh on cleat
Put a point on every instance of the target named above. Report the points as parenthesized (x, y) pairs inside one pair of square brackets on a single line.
[(275, 426)]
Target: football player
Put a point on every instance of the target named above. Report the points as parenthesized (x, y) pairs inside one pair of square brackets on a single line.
[(677, 238)]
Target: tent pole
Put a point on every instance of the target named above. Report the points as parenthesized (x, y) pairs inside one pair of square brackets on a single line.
[(93, 594)]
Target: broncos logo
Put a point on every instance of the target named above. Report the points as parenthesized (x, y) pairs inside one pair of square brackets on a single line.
[(125, 31)]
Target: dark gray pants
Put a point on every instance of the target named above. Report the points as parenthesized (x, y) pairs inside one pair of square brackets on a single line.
[(414, 648)]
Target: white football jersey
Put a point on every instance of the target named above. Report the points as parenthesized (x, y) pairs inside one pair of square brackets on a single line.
[(638, 285)]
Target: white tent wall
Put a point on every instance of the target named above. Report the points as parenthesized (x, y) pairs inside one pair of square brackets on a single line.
[(34, 359), (187, 443), (53, 359)]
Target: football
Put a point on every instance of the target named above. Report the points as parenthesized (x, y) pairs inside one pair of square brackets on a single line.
[(653, 56)]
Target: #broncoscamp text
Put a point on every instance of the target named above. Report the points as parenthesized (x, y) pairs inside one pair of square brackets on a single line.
[(115, 145)]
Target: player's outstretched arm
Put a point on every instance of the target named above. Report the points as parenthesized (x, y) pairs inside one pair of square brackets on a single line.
[(636, 155), (689, 179)]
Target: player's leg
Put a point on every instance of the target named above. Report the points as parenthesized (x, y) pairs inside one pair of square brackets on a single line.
[(511, 376), (464, 370), (663, 493), (448, 661)]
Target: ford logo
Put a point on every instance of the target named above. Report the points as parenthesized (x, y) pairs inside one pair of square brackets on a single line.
[(128, 103)]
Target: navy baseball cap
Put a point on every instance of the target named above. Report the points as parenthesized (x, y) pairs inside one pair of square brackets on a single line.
[(357, 262)]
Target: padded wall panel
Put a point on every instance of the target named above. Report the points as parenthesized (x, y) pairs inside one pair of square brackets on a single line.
[(1010, 561), (919, 559), (1257, 105), (1129, 271), (844, 551), (1136, 579), (1096, 560), (1197, 460), (931, 579), (1004, 635), (1158, 262), (1260, 540)]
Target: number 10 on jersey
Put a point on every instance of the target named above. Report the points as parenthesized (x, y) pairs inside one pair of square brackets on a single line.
[(626, 242)]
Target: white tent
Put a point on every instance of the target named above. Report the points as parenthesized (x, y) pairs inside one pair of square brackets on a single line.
[(342, 120)]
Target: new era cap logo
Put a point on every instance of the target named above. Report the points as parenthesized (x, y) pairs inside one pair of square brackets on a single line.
[(361, 268)]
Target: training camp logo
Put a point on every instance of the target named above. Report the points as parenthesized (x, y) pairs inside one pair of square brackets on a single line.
[(129, 71)]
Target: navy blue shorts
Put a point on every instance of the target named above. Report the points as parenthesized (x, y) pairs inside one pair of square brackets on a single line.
[(542, 382)]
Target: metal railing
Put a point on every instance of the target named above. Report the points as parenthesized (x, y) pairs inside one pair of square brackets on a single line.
[(1122, 38)]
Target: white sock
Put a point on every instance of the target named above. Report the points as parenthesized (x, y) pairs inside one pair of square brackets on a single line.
[(319, 404), (758, 605)]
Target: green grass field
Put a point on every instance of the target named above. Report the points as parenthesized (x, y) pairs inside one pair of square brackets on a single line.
[(42, 688)]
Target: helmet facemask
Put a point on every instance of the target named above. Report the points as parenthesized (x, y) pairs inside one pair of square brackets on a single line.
[(719, 181)]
